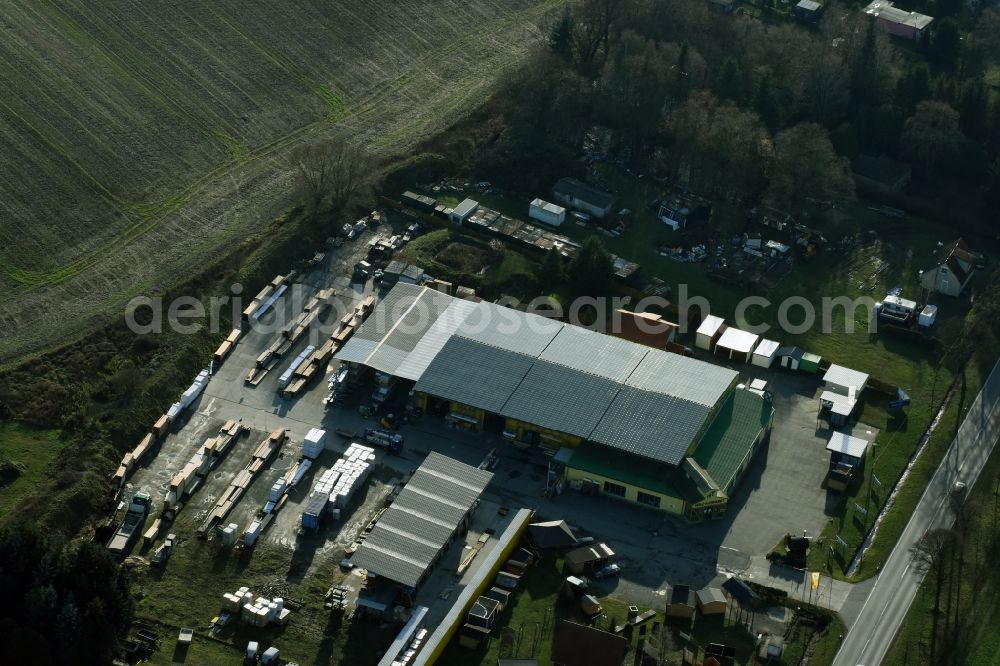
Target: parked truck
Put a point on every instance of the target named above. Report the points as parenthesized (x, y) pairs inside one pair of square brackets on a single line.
[(131, 526), (391, 442)]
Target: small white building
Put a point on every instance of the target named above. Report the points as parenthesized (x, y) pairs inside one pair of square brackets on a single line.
[(737, 344), (548, 213), (463, 211), (709, 332), (927, 316), (765, 353), (844, 380)]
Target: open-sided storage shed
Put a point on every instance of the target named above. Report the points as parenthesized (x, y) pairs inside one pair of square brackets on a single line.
[(737, 344), (847, 450)]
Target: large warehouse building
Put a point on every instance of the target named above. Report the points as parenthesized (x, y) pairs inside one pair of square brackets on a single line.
[(685, 427)]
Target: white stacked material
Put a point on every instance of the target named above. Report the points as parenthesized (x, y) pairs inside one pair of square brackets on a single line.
[(194, 390), (314, 443), (229, 535), (266, 305), (285, 378), (277, 490), (300, 472), (251, 533), (231, 602), (270, 656), (258, 612)]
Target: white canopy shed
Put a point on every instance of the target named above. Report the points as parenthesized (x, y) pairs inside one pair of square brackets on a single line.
[(737, 344)]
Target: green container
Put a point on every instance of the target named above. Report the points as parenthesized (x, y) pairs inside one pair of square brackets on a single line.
[(809, 362)]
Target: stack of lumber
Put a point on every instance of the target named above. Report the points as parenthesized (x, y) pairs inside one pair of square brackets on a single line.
[(238, 486), (135, 456), (227, 346)]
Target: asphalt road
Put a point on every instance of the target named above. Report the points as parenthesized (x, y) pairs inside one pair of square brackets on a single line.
[(872, 633)]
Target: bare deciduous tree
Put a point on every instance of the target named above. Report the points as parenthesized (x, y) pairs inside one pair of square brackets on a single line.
[(930, 554), (932, 135), (806, 166), (331, 174)]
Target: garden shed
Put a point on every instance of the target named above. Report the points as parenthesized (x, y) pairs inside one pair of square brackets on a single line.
[(711, 601), (709, 332), (765, 353)]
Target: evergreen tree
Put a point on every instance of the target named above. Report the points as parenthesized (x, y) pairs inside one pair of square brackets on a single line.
[(946, 43), (561, 36), (729, 85), (591, 269), (913, 87), (973, 110), (766, 103), (551, 271)]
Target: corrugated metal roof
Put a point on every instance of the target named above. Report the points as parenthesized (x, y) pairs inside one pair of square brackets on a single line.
[(434, 339), (420, 522), (547, 373), (727, 442), (399, 324), (474, 374), (675, 375), (594, 353), (561, 398), (651, 424), (508, 329)]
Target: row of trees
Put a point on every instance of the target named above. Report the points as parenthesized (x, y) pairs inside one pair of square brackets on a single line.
[(737, 107)]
